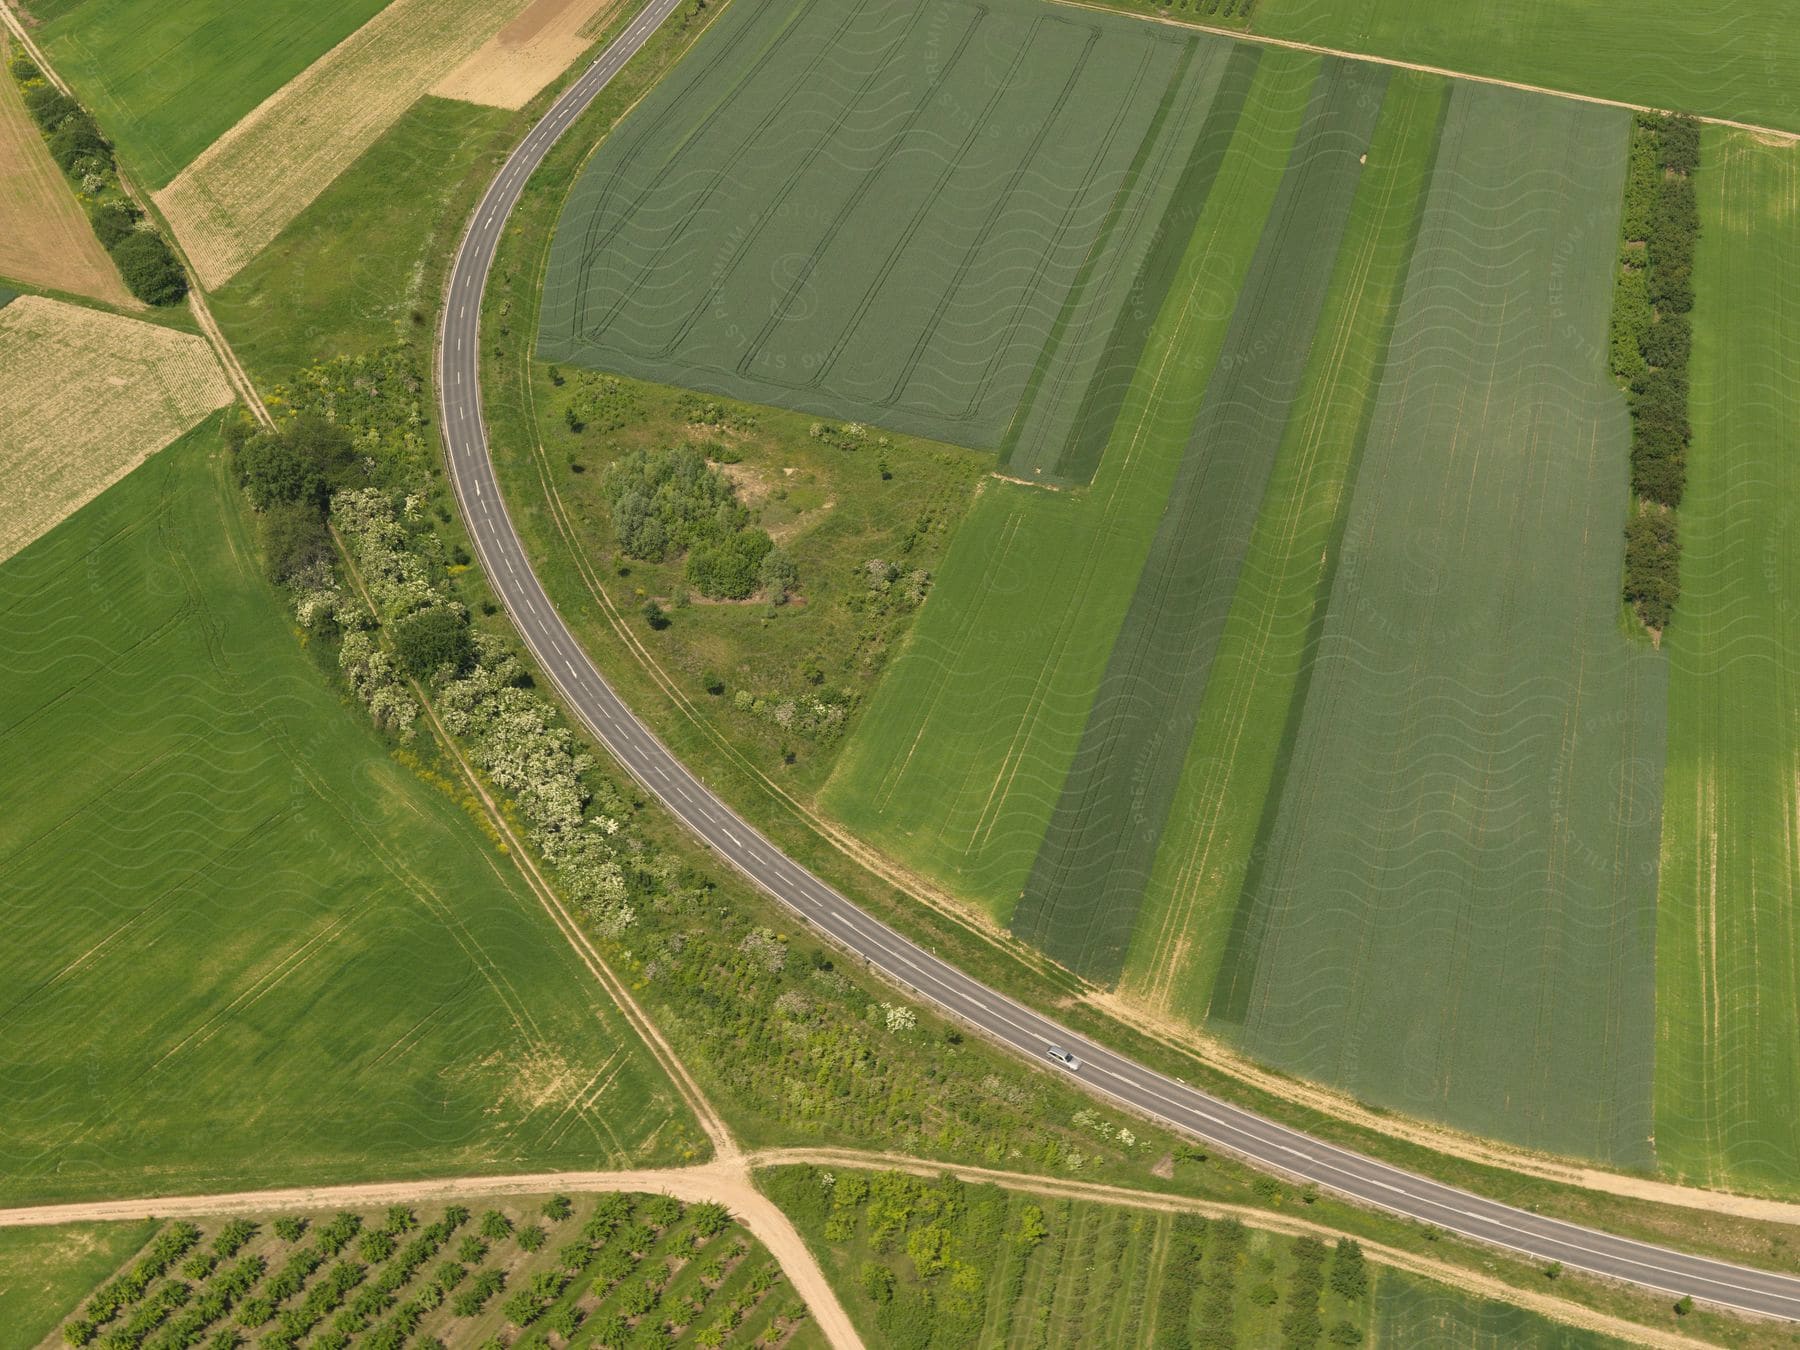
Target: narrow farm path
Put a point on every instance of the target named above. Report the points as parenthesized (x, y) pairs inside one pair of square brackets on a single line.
[(729, 1183), (1262, 40), (725, 1182)]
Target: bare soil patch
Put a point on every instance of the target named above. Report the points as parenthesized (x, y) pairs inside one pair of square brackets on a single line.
[(231, 202), (45, 239), (513, 66), (85, 397)]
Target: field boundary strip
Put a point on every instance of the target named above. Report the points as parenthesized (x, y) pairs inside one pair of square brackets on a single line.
[(1110, 381), (1204, 860)]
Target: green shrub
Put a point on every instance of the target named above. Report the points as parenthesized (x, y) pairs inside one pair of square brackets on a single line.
[(113, 222), (731, 568), (294, 540), (1651, 304), (1652, 565), (434, 640), (300, 462), (1349, 1270), (76, 137), (49, 106), (150, 270)]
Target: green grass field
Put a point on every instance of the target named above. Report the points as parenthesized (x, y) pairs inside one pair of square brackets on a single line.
[(45, 1272), (363, 264), (1411, 1312), (911, 218), (1734, 58), (942, 1262), (1004, 661), (1258, 675), (1081, 898), (167, 80), (248, 945), (1452, 910), (1728, 990)]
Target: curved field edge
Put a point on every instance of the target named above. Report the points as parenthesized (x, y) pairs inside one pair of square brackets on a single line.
[(1728, 973), (323, 967)]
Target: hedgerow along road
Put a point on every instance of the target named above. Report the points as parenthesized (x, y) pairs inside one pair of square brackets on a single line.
[(1266, 1143)]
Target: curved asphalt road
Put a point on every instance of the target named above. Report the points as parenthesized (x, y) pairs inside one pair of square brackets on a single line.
[(1264, 1142)]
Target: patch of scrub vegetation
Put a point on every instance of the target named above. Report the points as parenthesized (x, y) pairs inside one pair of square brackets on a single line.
[(1450, 910), (1727, 59), (168, 79), (202, 841), (857, 523), (50, 1270), (1651, 340), (1727, 1057), (921, 1262), (613, 1267), (145, 262), (671, 505)]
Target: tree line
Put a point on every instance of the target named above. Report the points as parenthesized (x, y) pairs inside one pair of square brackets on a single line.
[(143, 257), (1652, 338)]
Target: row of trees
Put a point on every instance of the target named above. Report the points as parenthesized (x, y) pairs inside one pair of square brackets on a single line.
[(1652, 338), (313, 1282), (142, 255)]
